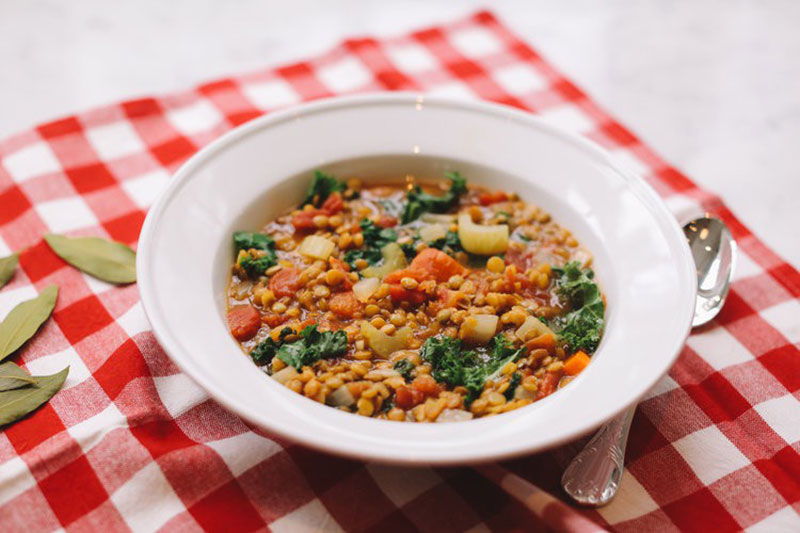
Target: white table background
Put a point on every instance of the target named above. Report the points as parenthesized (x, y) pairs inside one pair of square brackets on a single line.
[(712, 85)]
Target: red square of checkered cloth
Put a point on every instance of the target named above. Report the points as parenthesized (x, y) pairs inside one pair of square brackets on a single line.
[(131, 443)]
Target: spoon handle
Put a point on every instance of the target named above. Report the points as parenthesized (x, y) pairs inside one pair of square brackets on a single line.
[(593, 476)]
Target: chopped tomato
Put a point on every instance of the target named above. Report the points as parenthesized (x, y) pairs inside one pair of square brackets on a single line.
[(346, 284), (447, 299), (408, 397), (304, 220), (344, 304), (488, 198), (545, 341), (426, 385), (274, 320), (508, 283), (400, 294), (549, 384), (333, 204), (522, 259), (395, 277), (304, 324), (338, 264), (285, 282), (386, 222), (244, 322), (482, 285)]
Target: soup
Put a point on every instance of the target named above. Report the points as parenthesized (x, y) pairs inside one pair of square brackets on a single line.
[(419, 300)]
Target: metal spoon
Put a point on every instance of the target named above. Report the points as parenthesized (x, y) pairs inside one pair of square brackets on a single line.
[(593, 476)]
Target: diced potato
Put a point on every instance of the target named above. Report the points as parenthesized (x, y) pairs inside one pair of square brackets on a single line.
[(520, 393), (432, 232), (365, 288), (341, 397), (317, 247), (383, 344), (283, 376), (393, 259), (454, 415), (478, 329), (532, 327), (482, 240)]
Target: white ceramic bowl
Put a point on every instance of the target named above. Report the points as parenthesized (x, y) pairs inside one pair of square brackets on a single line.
[(259, 170)]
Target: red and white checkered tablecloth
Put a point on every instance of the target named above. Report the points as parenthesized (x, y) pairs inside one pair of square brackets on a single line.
[(131, 443)]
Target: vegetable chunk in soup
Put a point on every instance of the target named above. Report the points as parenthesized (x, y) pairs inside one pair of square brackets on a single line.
[(424, 301)]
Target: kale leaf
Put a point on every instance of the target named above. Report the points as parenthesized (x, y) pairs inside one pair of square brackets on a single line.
[(312, 346), (469, 368), (582, 327), (447, 359), (405, 367), (409, 250), (322, 186), (370, 255), (449, 244), (516, 378), (265, 351), (254, 264), (375, 238), (419, 202), (245, 240)]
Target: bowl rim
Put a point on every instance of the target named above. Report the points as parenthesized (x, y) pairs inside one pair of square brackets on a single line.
[(642, 190)]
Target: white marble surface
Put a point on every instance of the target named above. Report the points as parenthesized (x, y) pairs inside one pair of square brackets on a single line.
[(712, 85)]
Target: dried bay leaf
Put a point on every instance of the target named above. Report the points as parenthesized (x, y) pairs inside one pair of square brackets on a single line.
[(14, 377), (106, 260), (7, 267), (24, 320), (15, 404)]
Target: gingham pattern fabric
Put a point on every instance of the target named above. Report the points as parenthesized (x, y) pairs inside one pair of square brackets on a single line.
[(131, 443)]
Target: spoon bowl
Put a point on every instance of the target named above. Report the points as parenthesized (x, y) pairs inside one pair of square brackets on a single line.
[(714, 253)]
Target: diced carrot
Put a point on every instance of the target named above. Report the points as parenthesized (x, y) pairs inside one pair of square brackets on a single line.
[(386, 222), (575, 364), (546, 341), (285, 282), (430, 263), (244, 322), (437, 265), (344, 304)]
